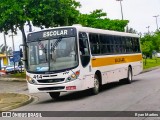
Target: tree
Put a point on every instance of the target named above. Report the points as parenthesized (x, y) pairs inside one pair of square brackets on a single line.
[(156, 41), (150, 42), (51, 13), (48, 13), (98, 19), (13, 16), (147, 45)]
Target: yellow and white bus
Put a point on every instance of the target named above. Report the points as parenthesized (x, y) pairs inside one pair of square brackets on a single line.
[(75, 58)]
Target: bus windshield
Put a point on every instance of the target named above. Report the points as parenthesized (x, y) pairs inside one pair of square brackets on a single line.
[(52, 55)]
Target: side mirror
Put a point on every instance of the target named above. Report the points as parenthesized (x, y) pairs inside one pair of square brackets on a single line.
[(22, 49), (21, 53)]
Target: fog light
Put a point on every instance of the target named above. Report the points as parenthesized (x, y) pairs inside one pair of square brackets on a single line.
[(68, 78)]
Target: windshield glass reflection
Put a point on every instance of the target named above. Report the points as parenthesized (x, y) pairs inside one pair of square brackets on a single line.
[(52, 55)]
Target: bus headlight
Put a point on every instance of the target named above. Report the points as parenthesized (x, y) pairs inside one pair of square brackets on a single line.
[(74, 76), (30, 80)]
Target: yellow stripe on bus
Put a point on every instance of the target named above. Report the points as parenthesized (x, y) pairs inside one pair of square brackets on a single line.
[(97, 62)]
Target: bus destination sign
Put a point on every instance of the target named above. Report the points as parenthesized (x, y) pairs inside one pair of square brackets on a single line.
[(53, 33)]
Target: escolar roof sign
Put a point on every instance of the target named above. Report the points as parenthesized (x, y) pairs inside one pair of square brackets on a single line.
[(53, 33)]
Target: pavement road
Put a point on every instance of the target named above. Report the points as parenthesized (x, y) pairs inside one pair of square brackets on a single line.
[(142, 95)]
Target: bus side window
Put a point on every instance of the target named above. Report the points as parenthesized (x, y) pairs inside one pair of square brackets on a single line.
[(95, 43), (83, 44), (84, 49)]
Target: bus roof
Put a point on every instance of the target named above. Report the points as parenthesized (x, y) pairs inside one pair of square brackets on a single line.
[(93, 30), (102, 31)]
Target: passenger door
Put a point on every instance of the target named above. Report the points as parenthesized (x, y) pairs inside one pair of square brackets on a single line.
[(85, 60)]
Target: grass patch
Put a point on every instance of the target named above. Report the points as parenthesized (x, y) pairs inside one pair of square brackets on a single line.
[(151, 63), (18, 75)]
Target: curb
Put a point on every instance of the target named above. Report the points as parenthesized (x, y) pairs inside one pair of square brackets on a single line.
[(29, 100), (150, 69), (12, 79)]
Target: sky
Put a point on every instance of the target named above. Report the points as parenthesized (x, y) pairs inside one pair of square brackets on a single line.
[(139, 13)]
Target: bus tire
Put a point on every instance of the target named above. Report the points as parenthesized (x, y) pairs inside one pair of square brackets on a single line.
[(54, 95), (128, 80), (95, 89)]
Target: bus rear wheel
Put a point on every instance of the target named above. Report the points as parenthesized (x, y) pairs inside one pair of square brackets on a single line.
[(54, 95), (128, 80), (95, 89)]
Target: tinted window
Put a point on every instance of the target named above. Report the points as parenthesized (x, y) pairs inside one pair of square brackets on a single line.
[(94, 43), (109, 44)]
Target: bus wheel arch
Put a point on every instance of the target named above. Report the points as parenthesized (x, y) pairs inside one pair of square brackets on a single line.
[(99, 75), (97, 82)]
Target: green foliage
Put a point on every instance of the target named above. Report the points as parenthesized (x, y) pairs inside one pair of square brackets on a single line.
[(12, 14), (15, 13), (51, 13), (156, 41), (150, 43), (147, 45), (98, 19)]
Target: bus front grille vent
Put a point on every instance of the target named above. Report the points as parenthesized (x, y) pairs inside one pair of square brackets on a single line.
[(51, 88), (51, 80)]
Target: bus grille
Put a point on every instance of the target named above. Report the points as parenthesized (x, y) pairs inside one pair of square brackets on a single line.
[(51, 88), (51, 80)]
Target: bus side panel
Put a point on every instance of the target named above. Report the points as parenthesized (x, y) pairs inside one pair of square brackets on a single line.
[(111, 73), (88, 81), (137, 68), (114, 75)]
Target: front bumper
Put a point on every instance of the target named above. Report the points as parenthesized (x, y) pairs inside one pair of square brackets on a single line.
[(75, 85)]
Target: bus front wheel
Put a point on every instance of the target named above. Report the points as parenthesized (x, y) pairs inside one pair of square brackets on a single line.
[(95, 89), (54, 95)]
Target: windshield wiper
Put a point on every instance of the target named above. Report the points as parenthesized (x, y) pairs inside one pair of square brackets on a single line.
[(55, 44), (52, 56)]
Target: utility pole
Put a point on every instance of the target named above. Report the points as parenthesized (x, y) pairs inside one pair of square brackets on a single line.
[(121, 7), (12, 41), (13, 47), (148, 29), (156, 16)]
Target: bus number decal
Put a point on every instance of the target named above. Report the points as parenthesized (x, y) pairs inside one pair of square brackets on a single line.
[(119, 60), (37, 76)]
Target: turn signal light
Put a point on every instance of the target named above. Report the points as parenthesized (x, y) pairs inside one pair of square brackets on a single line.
[(74, 76)]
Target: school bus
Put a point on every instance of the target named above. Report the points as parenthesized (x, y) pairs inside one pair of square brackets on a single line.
[(75, 58)]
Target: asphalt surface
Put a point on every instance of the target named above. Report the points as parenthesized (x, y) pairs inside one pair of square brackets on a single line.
[(13, 93), (142, 95), (9, 101)]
